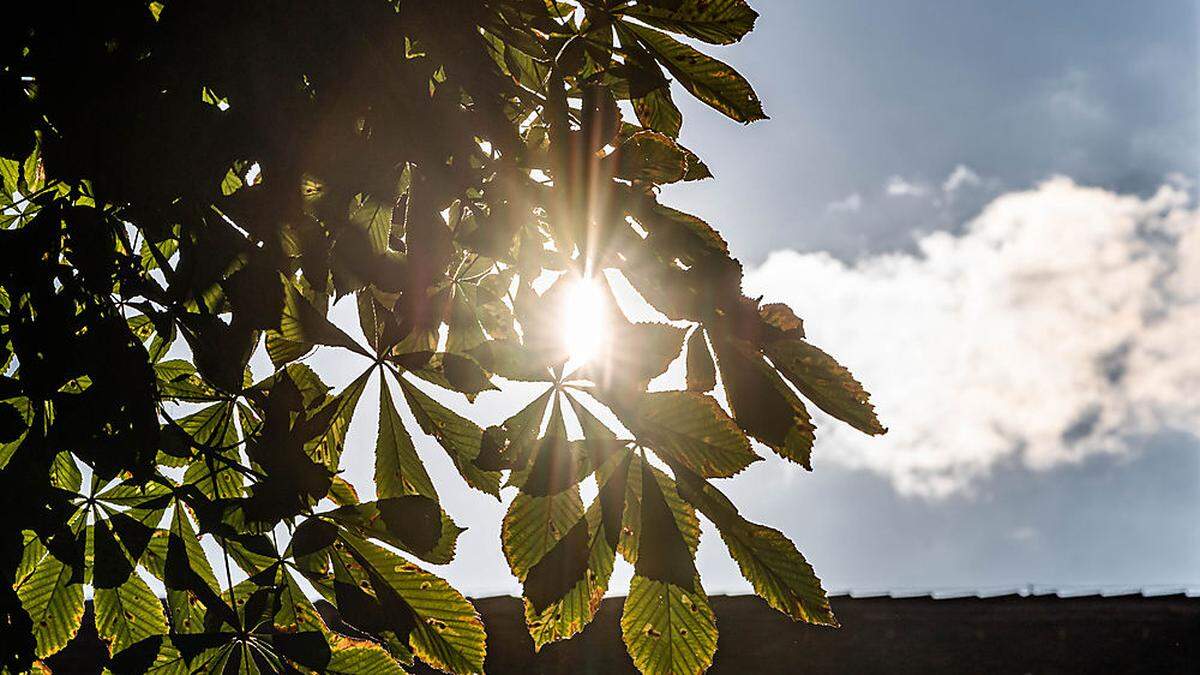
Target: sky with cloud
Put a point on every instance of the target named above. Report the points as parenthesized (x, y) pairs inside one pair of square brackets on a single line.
[(988, 211)]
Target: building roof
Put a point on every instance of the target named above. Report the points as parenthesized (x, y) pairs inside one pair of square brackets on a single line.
[(1026, 591)]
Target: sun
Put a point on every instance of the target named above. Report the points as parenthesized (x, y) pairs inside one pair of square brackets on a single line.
[(585, 325)]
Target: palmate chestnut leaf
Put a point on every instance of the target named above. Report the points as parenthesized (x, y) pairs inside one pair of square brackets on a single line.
[(189, 187)]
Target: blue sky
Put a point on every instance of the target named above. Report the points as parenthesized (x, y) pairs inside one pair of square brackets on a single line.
[(1017, 454), (859, 91), (988, 211)]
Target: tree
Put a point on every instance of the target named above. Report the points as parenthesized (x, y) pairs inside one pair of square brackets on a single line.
[(186, 183)]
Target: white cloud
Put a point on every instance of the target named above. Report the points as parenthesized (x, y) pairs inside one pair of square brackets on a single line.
[(851, 204), (961, 176), (1061, 324), (1180, 180), (898, 186)]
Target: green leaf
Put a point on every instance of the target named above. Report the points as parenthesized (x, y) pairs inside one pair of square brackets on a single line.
[(295, 609), (826, 383), (455, 372), (374, 217), (232, 182), (682, 512), (656, 110), (448, 633), (128, 614), (187, 575), (511, 360), (663, 553), (650, 157), (10, 174), (341, 492), (762, 403), (398, 469), (412, 523), (211, 426), (576, 608), (668, 629), (460, 437), (533, 525), (767, 558), (361, 657), (618, 367), (464, 332), (513, 442), (167, 660), (719, 22), (681, 233), (336, 413), (557, 464), (53, 603), (283, 351), (216, 479), (18, 426), (177, 379), (65, 474), (214, 433), (302, 324), (708, 79), (691, 429), (701, 371)]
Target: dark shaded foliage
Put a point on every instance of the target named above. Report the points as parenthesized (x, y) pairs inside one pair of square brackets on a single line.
[(188, 183)]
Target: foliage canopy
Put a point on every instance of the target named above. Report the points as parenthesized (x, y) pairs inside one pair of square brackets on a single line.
[(186, 183)]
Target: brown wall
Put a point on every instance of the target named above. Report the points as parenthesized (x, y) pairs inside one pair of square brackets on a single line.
[(1011, 634)]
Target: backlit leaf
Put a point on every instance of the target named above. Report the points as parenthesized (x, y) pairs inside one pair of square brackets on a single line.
[(691, 429), (398, 469), (448, 634), (826, 383), (53, 603), (361, 657), (716, 21), (701, 371), (460, 437), (708, 79), (128, 614), (768, 560), (303, 324), (762, 403), (668, 629)]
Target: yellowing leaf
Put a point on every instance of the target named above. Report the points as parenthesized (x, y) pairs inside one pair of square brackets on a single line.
[(128, 614), (668, 630), (448, 634), (767, 559), (53, 603), (691, 429), (826, 383), (361, 657)]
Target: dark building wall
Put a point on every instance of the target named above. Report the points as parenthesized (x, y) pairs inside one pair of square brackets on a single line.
[(1013, 634), (883, 635)]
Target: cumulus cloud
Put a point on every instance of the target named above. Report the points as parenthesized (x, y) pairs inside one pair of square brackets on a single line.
[(851, 204), (1060, 324), (898, 186)]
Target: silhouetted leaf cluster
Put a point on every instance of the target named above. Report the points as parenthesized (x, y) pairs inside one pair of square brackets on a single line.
[(187, 184)]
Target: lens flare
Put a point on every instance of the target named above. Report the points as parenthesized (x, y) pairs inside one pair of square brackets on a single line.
[(585, 322)]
